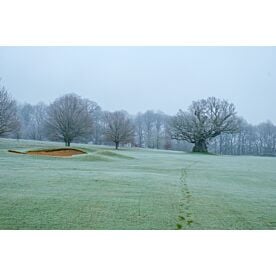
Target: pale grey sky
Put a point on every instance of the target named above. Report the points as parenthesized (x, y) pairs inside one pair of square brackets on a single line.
[(141, 78)]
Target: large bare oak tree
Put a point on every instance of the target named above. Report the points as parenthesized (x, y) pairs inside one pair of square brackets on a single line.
[(8, 113), (119, 128), (204, 120), (70, 117)]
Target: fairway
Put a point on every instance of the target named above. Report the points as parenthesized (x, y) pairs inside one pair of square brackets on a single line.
[(134, 189)]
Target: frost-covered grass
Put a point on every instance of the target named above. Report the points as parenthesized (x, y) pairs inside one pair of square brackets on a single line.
[(134, 189)]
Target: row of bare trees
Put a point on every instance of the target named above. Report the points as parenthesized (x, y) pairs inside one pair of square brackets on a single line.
[(8, 113), (31, 118), (249, 140), (209, 124), (72, 118)]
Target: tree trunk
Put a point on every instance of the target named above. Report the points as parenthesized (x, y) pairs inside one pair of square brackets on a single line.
[(117, 145), (200, 146), (67, 142)]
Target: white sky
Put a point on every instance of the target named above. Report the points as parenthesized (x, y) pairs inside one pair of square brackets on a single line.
[(140, 78)]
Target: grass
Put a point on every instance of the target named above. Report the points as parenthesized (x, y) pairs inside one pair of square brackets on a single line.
[(110, 153), (134, 189)]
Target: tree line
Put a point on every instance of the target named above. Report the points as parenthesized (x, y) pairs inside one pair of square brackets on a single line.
[(208, 125)]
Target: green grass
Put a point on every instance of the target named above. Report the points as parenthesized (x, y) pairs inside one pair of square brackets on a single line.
[(110, 153), (134, 189)]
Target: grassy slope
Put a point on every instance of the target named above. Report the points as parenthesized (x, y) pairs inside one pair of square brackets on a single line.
[(134, 189)]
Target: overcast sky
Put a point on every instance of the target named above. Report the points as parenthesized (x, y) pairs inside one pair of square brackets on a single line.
[(140, 78)]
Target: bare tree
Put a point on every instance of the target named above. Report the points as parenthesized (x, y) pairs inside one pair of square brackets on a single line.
[(149, 120), (211, 122), (40, 111), (25, 114), (266, 135), (139, 129), (32, 121), (119, 128), (70, 117), (159, 127), (98, 125), (204, 120), (8, 113)]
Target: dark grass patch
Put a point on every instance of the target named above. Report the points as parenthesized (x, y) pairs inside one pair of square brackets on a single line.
[(93, 158), (203, 153), (114, 154), (87, 149)]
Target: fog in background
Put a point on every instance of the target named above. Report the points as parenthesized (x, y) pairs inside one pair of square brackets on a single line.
[(141, 78)]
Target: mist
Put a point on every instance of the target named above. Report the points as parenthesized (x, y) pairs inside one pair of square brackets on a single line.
[(142, 78)]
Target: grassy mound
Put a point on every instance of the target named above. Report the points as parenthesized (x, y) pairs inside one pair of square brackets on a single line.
[(110, 153)]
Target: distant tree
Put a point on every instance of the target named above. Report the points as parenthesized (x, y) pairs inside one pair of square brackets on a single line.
[(204, 120), (168, 142), (249, 140), (40, 113), (119, 128), (8, 113), (32, 121), (149, 121), (139, 130), (151, 130), (25, 115), (159, 128), (70, 117), (266, 135), (98, 125)]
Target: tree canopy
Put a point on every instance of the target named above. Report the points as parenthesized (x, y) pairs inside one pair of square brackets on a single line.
[(70, 117), (119, 128), (204, 120), (8, 113)]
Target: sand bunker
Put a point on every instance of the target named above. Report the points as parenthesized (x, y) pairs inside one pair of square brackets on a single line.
[(63, 152)]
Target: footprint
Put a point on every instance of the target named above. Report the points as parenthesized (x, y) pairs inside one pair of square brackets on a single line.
[(178, 226)]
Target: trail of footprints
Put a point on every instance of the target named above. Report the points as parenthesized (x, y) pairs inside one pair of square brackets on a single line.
[(185, 215)]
